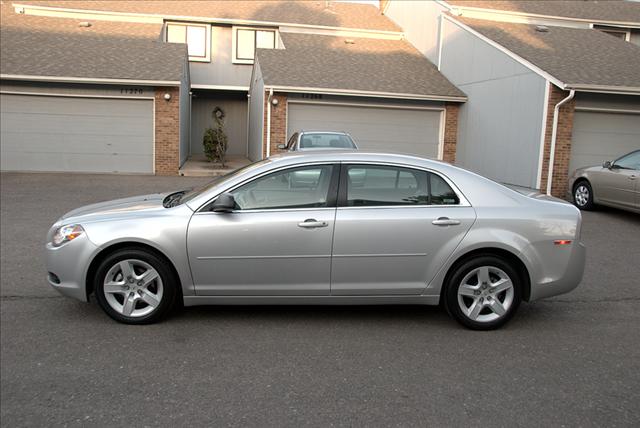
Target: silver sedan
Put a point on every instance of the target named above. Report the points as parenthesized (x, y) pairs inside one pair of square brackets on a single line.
[(331, 228)]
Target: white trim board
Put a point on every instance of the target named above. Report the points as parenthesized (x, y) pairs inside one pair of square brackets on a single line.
[(607, 110), (222, 87), (373, 105), (357, 93), (51, 94), (515, 15), (543, 132), (89, 80)]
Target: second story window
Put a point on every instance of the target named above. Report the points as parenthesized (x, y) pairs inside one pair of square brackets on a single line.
[(246, 40), (196, 36)]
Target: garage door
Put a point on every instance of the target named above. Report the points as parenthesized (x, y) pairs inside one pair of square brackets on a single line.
[(46, 133), (384, 129), (602, 136)]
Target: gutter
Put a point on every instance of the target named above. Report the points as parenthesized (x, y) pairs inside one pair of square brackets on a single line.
[(30, 78), (269, 122), (372, 94), (554, 137)]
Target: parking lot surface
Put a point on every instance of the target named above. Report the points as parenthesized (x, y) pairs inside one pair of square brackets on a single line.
[(572, 360)]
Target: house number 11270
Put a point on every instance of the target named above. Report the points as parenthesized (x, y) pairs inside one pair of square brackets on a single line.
[(131, 91)]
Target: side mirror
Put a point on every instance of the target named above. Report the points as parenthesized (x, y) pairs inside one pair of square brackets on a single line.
[(607, 164), (224, 204), (281, 146)]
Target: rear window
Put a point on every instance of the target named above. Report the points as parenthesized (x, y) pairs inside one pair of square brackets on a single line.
[(326, 141)]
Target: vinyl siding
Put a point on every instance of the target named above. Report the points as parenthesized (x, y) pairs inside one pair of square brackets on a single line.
[(499, 127)]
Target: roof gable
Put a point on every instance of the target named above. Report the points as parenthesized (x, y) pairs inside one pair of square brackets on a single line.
[(315, 13), (577, 57), (599, 11), (362, 65), (60, 48)]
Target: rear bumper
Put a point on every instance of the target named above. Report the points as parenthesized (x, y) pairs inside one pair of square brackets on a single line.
[(565, 282)]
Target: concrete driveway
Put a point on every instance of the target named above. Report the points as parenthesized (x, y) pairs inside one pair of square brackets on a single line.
[(572, 360)]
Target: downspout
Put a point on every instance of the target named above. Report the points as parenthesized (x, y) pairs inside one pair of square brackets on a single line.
[(554, 136), (269, 122)]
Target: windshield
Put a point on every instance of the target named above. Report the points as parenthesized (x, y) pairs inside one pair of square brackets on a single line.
[(191, 194), (326, 141)]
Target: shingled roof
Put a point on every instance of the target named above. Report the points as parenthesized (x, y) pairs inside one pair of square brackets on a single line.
[(598, 11), (354, 64), (59, 47), (576, 57), (310, 12)]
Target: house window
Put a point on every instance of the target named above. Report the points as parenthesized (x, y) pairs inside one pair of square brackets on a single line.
[(247, 40), (194, 35)]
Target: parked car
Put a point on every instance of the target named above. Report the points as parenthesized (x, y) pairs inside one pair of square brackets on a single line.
[(615, 184), (319, 140), (329, 228)]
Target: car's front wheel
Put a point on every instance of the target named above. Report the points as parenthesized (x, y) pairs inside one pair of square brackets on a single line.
[(583, 195), (483, 293), (134, 286)]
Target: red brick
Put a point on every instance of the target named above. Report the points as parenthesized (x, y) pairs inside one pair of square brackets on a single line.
[(167, 131), (564, 132)]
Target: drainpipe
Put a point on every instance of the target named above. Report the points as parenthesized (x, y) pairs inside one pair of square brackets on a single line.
[(554, 136), (269, 122)]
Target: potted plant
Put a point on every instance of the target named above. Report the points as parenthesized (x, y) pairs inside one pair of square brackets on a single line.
[(215, 139)]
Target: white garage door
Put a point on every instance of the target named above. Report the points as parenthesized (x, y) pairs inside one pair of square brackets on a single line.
[(598, 137), (47, 133), (410, 131)]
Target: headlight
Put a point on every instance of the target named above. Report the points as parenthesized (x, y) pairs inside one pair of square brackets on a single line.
[(66, 233)]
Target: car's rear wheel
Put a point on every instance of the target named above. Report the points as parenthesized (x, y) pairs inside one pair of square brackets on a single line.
[(583, 195), (483, 293), (135, 286)]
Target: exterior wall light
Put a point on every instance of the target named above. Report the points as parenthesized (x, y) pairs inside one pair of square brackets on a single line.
[(274, 101), (167, 96)]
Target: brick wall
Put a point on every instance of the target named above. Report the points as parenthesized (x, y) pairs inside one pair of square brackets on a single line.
[(563, 143), (278, 122), (450, 132), (167, 123)]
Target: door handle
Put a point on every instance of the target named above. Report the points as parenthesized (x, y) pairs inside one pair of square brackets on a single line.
[(311, 223), (445, 221)]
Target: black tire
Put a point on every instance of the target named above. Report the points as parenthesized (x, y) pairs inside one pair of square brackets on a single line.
[(582, 195), (461, 271), (169, 284)]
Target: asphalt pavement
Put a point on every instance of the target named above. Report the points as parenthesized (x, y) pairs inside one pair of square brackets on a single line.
[(573, 360)]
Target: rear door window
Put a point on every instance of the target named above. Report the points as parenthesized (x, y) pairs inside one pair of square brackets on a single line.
[(373, 185)]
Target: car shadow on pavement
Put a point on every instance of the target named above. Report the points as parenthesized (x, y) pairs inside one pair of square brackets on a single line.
[(529, 315)]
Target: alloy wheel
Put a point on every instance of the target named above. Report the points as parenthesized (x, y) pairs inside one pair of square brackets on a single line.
[(485, 294), (581, 195), (133, 288)]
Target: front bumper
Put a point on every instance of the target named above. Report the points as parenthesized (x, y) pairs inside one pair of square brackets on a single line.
[(68, 264)]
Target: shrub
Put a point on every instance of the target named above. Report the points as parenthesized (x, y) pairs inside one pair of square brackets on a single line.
[(215, 139)]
